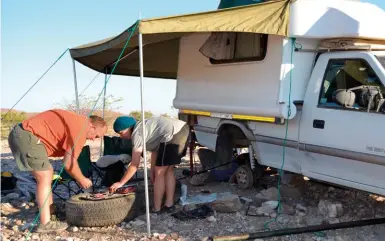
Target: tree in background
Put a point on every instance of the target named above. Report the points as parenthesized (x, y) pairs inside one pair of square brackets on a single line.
[(138, 114), (87, 103), (9, 120)]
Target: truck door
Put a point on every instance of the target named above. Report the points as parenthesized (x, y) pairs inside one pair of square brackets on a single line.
[(343, 142)]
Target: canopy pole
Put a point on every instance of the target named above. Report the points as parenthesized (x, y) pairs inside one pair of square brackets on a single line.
[(144, 132), (103, 111), (76, 87)]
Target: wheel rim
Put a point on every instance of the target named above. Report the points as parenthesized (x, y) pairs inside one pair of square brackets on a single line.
[(242, 177)]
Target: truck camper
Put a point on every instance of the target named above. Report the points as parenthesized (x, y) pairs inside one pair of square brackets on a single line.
[(300, 83), (323, 84)]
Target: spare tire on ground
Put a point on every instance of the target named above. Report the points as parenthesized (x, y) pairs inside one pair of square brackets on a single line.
[(98, 213)]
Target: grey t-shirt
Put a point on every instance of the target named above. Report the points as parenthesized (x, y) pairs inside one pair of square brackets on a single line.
[(158, 130)]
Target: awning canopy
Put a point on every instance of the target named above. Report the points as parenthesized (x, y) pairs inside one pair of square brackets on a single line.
[(161, 38)]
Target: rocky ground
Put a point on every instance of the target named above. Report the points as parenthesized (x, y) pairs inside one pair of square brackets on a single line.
[(303, 203)]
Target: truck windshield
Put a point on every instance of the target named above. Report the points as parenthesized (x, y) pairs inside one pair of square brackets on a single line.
[(382, 60)]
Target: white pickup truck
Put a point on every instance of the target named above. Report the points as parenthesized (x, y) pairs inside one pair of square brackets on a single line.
[(332, 69)]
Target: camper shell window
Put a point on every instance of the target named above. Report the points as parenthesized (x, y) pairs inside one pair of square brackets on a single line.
[(233, 47), (351, 84)]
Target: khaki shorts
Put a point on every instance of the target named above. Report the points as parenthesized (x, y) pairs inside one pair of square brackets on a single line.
[(30, 154)]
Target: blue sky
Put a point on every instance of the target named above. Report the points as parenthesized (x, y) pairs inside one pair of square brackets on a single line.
[(35, 33)]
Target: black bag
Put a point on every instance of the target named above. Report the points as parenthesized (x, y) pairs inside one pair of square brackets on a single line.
[(114, 173), (8, 181)]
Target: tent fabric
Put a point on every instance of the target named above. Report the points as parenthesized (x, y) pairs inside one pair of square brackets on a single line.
[(234, 3), (161, 38)]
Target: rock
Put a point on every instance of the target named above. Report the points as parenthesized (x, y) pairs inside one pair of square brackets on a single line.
[(170, 225), (258, 239), (246, 200), (266, 209), (268, 194), (301, 208), (270, 204), (74, 229), (211, 219), (174, 235), (329, 209), (35, 237), (7, 208), (18, 222), (333, 221), (227, 204), (313, 220), (283, 219), (138, 223), (162, 236), (156, 235), (299, 220), (23, 205), (287, 209), (199, 180), (273, 215), (127, 225), (12, 196), (253, 211)]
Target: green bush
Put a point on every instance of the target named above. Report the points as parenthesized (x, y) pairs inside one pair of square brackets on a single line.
[(9, 120)]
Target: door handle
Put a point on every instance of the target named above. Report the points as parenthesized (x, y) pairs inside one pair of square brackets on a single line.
[(319, 124)]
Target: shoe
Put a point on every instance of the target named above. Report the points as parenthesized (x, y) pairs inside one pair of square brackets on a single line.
[(52, 226), (169, 210), (165, 209)]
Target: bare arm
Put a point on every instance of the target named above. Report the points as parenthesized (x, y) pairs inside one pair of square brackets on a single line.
[(72, 167), (133, 167)]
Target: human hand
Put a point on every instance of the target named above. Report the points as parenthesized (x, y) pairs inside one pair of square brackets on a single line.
[(115, 186), (85, 183)]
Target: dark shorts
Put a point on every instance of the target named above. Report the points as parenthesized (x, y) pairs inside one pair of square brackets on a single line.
[(29, 153), (172, 152)]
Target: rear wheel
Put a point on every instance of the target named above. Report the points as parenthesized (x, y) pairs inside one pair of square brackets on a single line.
[(244, 177)]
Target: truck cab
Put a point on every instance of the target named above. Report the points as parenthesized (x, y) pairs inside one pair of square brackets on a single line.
[(341, 129)]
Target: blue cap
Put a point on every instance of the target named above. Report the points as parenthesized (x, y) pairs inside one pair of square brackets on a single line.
[(123, 122)]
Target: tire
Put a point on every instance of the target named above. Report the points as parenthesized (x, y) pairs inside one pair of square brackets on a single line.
[(258, 171), (223, 151), (86, 213), (244, 177)]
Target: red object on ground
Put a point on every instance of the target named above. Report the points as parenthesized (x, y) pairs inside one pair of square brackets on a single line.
[(125, 190)]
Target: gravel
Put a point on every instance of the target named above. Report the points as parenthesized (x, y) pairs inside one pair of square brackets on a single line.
[(303, 203)]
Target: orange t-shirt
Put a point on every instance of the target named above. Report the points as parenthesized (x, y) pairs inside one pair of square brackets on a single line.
[(59, 131)]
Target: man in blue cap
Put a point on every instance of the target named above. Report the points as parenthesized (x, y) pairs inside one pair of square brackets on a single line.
[(167, 140)]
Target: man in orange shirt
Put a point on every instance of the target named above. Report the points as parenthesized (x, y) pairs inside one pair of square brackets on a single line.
[(53, 133)]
